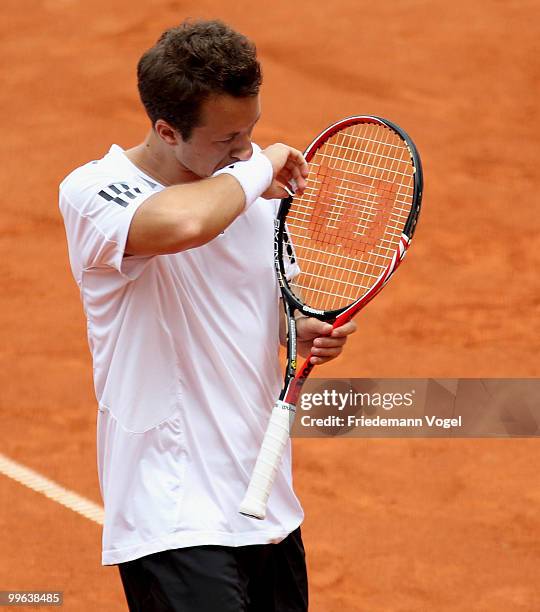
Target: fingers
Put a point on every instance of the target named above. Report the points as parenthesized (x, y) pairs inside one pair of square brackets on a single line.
[(320, 360), (298, 169), (344, 330), (329, 342), (297, 161), (325, 349), (292, 179), (288, 164), (275, 191), (326, 346), (323, 333), (292, 176), (309, 328), (326, 353)]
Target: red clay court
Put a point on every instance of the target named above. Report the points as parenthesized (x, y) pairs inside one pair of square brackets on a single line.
[(430, 525)]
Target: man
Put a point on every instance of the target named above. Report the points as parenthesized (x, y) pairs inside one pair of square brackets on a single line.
[(171, 245)]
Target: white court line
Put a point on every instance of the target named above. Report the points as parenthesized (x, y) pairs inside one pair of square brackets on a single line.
[(50, 489)]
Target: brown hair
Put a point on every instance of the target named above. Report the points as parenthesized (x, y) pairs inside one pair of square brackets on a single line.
[(190, 63)]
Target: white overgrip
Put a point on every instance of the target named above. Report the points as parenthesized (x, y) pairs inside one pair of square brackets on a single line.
[(266, 466)]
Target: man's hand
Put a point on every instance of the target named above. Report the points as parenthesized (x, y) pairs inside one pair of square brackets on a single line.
[(317, 339), (288, 164)]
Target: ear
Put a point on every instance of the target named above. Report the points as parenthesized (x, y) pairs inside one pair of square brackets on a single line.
[(167, 133)]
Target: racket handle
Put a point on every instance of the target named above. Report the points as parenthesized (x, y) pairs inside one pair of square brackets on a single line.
[(267, 464)]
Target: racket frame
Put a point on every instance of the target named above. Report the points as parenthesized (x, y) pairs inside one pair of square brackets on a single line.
[(285, 205), (282, 417)]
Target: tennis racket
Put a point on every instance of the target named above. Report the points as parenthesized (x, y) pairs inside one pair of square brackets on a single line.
[(345, 236)]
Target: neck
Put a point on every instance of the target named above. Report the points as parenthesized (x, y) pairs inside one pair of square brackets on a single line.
[(157, 159)]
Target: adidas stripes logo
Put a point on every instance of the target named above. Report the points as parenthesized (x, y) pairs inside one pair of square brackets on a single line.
[(121, 193)]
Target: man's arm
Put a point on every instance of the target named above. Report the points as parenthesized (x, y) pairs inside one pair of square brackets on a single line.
[(185, 216), (189, 215)]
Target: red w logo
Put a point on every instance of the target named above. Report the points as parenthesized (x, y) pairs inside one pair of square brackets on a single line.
[(351, 212)]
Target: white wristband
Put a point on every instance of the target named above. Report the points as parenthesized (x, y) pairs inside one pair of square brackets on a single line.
[(254, 175)]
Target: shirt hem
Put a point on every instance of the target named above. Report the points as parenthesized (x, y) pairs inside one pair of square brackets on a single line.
[(201, 538)]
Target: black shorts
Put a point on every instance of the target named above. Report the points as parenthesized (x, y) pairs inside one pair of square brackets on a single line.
[(258, 578)]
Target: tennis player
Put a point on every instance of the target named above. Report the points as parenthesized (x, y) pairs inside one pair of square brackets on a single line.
[(171, 245)]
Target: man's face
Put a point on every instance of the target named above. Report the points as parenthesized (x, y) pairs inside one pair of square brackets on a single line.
[(223, 136)]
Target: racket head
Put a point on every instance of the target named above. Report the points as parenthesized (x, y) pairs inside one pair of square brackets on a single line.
[(352, 225)]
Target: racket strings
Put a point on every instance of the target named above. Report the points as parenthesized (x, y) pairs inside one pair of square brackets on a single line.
[(347, 225)]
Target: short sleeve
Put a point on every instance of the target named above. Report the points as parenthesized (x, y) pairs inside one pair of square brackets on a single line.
[(97, 216)]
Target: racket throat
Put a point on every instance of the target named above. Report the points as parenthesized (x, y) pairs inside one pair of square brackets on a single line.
[(292, 364), (293, 390)]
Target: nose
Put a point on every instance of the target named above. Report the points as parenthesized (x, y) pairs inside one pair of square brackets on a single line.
[(243, 150)]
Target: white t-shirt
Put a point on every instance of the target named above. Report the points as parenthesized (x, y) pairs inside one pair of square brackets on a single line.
[(186, 370)]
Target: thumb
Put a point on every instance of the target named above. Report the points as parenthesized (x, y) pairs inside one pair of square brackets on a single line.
[(312, 327)]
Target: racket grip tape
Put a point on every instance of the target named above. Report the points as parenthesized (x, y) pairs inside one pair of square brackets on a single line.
[(267, 464)]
